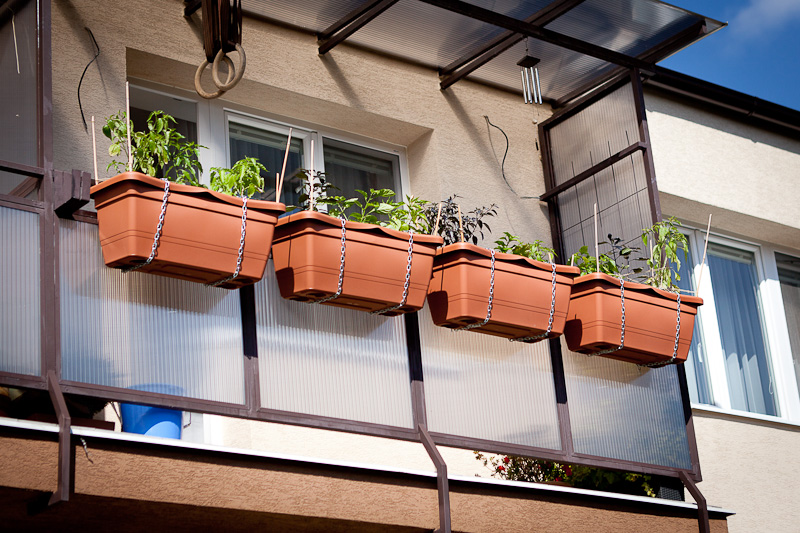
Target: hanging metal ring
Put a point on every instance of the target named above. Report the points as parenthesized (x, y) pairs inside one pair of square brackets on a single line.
[(228, 85), (199, 74)]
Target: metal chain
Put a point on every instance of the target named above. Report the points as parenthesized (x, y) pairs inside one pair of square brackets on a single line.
[(622, 334), (489, 307), (659, 364), (157, 237), (552, 314), (241, 248), (408, 278), (341, 270)]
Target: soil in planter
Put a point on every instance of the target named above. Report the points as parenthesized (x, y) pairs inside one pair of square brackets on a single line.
[(307, 255), (459, 292)]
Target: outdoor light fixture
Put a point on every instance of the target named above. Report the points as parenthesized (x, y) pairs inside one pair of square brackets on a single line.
[(531, 89)]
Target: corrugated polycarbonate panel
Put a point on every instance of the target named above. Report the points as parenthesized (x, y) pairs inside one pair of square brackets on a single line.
[(622, 411), (20, 337), (485, 387), (329, 361), (136, 330), (595, 133)]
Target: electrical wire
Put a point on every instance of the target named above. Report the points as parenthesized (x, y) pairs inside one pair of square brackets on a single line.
[(503, 163), (97, 53)]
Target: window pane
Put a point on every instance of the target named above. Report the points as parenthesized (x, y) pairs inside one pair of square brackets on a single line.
[(351, 167), (696, 365), (789, 276), (733, 277), (269, 147), (18, 94), (20, 339)]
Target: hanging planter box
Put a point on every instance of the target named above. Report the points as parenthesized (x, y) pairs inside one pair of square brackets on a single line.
[(307, 252), (651, 320), (200, 235), (521, 297)]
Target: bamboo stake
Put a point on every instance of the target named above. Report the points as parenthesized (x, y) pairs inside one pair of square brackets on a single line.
[(705, 248), (596, 240), (311, 180), (279, 177), (460, 224), (436, 225), (128, 127), (94, 153)]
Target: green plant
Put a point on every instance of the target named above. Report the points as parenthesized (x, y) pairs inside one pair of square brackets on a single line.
[(449, 228), (511, 244), (244, 179), (588, 264), (515, 468), (665, 239), (159, 149)]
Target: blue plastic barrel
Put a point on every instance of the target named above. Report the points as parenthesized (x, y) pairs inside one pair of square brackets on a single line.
[(153, 421)]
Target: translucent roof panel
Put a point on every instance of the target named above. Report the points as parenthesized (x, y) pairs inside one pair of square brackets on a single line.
[(435, 37)]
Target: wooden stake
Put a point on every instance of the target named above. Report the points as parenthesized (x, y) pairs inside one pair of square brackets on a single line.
[(596, 240), (279, 184), (128, 126), (438, 215), (460, 224), (94, 153), (311, 180), (705, 248)]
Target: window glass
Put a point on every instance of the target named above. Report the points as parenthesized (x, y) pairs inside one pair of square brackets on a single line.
[(789, 277), (734, 280), (696, 365), (269, 148)]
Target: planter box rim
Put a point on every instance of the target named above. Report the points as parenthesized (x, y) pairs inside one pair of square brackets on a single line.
[(630, 285), (158, 184), (485, 252), (359, 226)]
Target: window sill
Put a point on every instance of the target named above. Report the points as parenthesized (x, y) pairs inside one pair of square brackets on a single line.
[(732, 413)]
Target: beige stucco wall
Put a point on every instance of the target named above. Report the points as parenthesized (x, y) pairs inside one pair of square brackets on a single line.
[(751, 467), (349, 90), (748, 177)]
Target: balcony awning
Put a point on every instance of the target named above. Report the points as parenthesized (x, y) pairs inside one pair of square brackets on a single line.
[(580, 43)]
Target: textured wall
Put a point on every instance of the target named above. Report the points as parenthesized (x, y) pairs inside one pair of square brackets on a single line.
[(752, 468)]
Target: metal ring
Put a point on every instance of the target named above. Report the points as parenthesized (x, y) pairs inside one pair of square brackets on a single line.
[(199, 74), (228, 85)]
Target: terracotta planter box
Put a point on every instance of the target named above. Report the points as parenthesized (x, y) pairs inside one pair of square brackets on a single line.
[(307, 255), (459, 292), (200, 236), (595, 315)]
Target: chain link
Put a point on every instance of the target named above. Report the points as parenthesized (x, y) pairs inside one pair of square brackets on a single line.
[(241, 248), (341, 269), (659, 364), (157, 237), (489, 307), (622, 333), (550, 320), (408, 278)]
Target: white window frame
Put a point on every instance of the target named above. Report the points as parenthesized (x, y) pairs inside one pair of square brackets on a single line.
[(775, 330)]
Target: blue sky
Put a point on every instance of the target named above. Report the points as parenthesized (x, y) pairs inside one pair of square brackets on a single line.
[(758, 53)]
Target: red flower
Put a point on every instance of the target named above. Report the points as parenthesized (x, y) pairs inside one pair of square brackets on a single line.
[(558, 479), (501, 468), (506, 460), (568, 470)]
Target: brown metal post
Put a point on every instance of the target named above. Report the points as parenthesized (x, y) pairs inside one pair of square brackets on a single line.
[(66, 463), (442, 483), (702, 508)]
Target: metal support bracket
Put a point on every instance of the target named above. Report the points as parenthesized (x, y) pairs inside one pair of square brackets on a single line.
[(442, 483), (702, 507), (66, 457), (71, 191)]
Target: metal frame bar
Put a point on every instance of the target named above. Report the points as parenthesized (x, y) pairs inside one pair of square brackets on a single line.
[(351, 23), (66, 456), (479, 56), (702, 506), (442, 481)]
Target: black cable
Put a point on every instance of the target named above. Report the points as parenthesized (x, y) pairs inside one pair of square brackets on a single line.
[(503, 164), (83, 118)]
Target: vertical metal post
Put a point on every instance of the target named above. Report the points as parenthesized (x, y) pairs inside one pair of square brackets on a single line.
[(252, 391), (66, 456), (415, 368), (442, 483), (702, 507)]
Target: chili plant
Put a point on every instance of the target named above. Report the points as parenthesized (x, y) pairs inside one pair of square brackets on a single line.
[(511, 244), (244, 179), (449, 228)]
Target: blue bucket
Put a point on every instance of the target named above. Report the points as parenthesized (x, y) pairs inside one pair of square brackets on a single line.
[(153, 421)]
